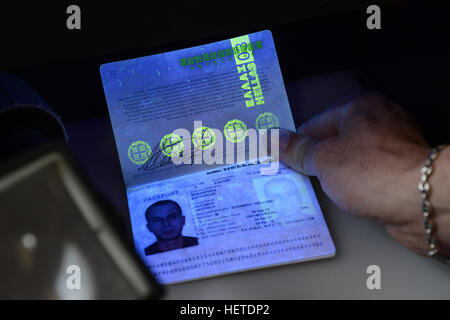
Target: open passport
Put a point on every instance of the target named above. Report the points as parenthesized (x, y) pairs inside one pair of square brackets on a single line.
[(204, 198)]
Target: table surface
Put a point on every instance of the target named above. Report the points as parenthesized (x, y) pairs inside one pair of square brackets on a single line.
[(359, 243)]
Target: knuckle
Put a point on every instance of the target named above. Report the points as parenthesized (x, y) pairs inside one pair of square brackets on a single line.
[(374, 111), (372, 103), (371, 98)]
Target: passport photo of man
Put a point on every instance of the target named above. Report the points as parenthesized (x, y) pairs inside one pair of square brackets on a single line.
[(166, 221)]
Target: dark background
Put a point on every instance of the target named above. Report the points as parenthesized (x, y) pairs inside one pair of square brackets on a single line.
[(407, 59)]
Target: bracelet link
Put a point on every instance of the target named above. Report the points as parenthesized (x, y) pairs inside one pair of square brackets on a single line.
[(424, 189)]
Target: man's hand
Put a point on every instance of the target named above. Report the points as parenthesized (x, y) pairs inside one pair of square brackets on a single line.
[(367, 155)]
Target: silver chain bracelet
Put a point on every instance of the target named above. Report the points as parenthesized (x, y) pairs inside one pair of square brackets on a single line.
[(424, 189)]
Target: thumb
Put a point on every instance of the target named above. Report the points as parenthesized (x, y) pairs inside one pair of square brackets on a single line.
[(297, 151)]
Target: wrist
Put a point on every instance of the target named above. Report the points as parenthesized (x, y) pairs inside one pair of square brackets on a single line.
[(408, 206), (407, 201)]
